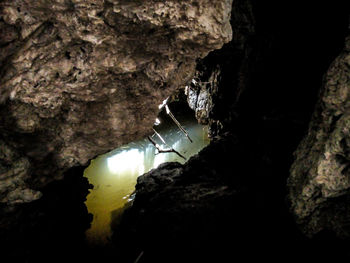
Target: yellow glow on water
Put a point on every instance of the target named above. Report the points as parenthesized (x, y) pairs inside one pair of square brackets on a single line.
[(127, 161), (114, 174)]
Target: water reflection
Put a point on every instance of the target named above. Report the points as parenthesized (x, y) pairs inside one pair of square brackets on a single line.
[(126, 162), (114, 174)]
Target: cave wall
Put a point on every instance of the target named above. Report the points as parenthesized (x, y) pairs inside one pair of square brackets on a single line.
[(273, 67), (257, 94), (264, 86), (223, 76), (79, 78), (115, 63), (319, 183)]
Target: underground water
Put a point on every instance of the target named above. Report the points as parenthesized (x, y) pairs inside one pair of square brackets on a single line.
[(114, 174)]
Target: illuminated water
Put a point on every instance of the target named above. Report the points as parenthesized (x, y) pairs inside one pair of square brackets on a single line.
[(114, 174)]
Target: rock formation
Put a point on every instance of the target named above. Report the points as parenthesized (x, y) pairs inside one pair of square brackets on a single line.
[(192, 211), (319, 183), (79, 78), (223, 76), (257, 94)]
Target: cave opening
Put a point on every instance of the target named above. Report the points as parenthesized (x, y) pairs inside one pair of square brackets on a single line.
[(114, 175)]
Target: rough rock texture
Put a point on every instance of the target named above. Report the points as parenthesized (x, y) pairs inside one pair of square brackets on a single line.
[(319, 183), (14, 171), (259, 106), (223, 76), (200, 96), (79, 78), (230, 200)]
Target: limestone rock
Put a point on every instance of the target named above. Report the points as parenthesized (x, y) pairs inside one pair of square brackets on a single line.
[(319, 182), (79, 78), (14, 174), (199, 96), (223, 75)]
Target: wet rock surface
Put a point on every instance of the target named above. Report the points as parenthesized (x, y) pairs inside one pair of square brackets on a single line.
[(79, 78), (320, 181)]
